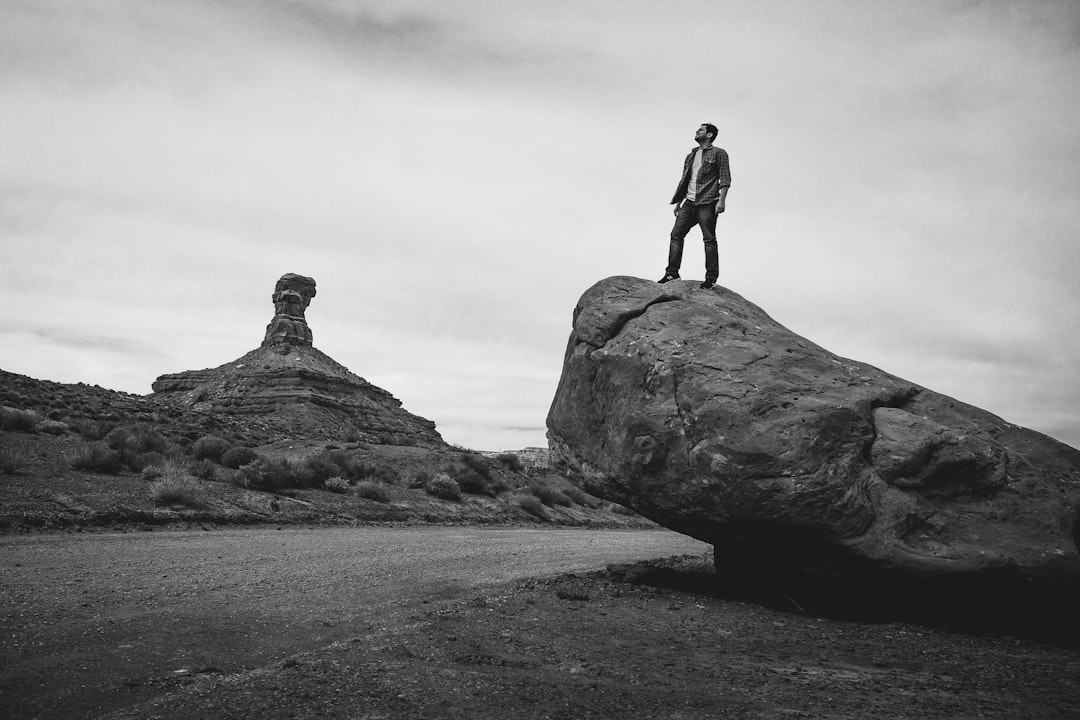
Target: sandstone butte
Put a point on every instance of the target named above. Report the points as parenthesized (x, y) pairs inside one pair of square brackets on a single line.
[(803, 469), (294, 390)]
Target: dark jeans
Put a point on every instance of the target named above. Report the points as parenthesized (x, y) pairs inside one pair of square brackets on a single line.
[(689, 216)]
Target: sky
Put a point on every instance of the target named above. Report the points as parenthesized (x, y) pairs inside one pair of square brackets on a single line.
[(455, 175)]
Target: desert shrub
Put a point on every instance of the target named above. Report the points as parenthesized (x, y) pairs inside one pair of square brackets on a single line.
[(278, 473), (131, 441), (384, 474), (512, 461), (92, 429), (12, 460), (249, 475), (98, 457), (336, 484), (621, 509), (532, 505), (476, 463), (471, 481), (19, 420), (177, 487), (444, 487), (205, 469), (151, 472), (578, 495), (352, 466), (315, 470), (238, 457), (421, 479), (53, 427), (372, 491), (56, 413), (210, 447), (145, 460), (549, 495)]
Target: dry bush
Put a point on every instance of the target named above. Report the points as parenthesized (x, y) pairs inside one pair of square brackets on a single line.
[(372, 491), (444, 487), (52, 427), (177, 487), (210, 447), (12, 461), (98, 457), (336, 484), (549, 496), (205, 469), (237, 457), (512, 461), (532, 505), (19, 420)]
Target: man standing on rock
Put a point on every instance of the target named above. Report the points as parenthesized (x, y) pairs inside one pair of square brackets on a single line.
[(698, 200)]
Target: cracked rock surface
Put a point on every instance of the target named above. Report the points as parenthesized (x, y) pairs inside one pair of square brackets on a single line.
[(701, 412)]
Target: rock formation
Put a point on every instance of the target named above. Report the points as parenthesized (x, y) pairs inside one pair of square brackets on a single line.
[(292, 390), (292, 295), (802, 468)]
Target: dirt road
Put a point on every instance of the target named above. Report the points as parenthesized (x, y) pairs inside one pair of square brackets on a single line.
[(95, 622)]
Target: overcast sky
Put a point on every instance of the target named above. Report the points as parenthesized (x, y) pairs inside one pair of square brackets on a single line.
[(906, 186)]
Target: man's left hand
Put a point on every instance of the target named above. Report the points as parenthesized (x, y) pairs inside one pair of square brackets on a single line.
[(719, 208)]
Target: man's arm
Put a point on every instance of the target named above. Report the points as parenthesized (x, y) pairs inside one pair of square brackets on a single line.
[(724, 180)]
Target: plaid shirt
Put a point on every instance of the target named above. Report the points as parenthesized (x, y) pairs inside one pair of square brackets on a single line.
[(713, 175)]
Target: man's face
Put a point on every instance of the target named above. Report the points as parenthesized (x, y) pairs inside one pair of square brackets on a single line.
[(702, 133)]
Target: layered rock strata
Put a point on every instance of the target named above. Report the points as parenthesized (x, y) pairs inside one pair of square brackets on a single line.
[(294, 390), (701, 412)]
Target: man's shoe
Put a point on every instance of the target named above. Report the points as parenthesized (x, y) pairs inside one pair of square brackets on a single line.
[(668, 277), (708, 284)]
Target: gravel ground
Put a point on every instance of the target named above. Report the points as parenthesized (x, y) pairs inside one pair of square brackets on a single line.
[(97, 622)]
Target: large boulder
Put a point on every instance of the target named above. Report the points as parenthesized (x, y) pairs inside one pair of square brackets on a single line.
[(802, 468)]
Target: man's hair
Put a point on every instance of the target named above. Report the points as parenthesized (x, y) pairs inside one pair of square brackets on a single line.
[(710, 128)]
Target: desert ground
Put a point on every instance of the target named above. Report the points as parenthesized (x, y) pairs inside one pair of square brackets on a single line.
[(451, 622)]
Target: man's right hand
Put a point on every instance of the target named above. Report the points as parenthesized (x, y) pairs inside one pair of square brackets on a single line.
[(677, 206)]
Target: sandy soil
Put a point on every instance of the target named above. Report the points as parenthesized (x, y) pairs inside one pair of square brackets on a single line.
[(454, 623), (95, 622)]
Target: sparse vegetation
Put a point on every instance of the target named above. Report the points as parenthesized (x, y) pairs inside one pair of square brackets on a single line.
[(512, 461), (421, 479), (580, 497), (12, 461), (238, 457), (315, 470), (177, 487), (372, 491), (98, 457), (205, 469), (336, 484), (444, 487), (620, 509), (52, 427), (145, 460), (16, 420), (210, 447), (532, 505), (548, 495)]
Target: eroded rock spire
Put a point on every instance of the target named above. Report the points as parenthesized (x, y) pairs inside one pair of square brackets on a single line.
[(292, 294)]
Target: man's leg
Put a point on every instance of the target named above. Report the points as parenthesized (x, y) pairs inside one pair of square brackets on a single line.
[(706, 217), (684, 220)]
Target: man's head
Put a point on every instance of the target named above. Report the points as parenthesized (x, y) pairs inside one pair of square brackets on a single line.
[(707, 131)]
